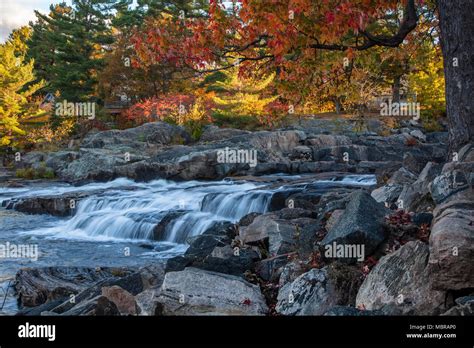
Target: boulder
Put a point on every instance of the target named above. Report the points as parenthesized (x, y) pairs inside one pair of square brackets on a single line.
[(452, 243), (402, 280), (97, 306), (270, 269), (447, 184), (327, 140), (199, 292), (159, 133), (36, 286), (361, 223), (346, 311), (283, 236), (387, 194), (159, 232), (464, 307), (213, 133), (124, 301)]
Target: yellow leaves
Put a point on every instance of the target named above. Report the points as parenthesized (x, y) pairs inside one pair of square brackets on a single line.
[(244, 96)]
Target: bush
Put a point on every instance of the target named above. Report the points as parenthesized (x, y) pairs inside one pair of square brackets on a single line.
[(42, 172)]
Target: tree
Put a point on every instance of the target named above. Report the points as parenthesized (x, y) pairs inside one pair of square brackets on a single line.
[(243, 96), (68, 46), (457, 42), (16, 75), (284, 36)]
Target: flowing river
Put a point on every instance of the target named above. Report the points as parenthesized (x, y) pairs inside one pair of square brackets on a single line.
[(115, 224)]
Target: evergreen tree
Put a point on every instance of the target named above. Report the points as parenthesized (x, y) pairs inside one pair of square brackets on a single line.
[(16, 75), (68, 46)]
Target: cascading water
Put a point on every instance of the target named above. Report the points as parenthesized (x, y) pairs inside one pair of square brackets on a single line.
[(125, 210), (124, 215), (135, 212)]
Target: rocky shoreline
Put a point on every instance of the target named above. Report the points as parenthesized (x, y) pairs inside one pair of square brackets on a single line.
[(416, 227)]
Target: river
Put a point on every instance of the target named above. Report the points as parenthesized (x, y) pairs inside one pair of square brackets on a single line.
[(114, 225)]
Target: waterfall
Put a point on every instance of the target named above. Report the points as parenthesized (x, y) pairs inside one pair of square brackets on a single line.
[(123, 209)]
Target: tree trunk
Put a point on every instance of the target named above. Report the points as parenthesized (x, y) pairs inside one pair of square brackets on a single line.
[(396, 90), (457, 43)]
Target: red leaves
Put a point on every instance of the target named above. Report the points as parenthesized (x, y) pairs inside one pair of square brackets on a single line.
[(247, 302), (400, 217), (330, 17)]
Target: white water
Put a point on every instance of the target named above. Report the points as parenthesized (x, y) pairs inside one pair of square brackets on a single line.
[(133, 213), (125, 210)]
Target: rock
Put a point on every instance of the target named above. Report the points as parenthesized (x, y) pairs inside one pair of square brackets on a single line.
[(229, 261), (422, 219), (346, 311), (414, 198), (401, 279), (401, 177), (318, 290), (361, 223), (64, 205), (124, 301), (334, 218), (269, 269), (248, 219), (132, 282), (159, 133), (294, 213), (279, 199), (159, 232), (452, 243), (302, 153), (97, 306), (282, 235), (289, 272), (199, 292), (448, 184), (147, 301), (418, 134), (414, 162), (213, 133), (461, 310), (36, 286), (326, 140), (387, 194)]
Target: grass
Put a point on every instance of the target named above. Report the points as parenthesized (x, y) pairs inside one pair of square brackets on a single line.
[(42, 172)]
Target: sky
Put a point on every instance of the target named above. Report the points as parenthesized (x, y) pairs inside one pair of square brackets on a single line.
[(15, 13)]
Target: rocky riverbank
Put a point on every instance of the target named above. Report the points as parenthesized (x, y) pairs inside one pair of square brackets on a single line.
[(402, 247)]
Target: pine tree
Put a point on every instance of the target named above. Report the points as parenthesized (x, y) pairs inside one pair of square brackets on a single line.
[(68, 46), (16, 75)]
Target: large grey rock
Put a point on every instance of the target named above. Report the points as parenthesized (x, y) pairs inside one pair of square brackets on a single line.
[(36, 286), (214, 133), (199, 292), (160, 133), (316, 291), (387, 194), (283, 235), (401, 279), (447, 184), (361, 223), (327, 140), (452, 243), (309, 294), (97, 306)]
